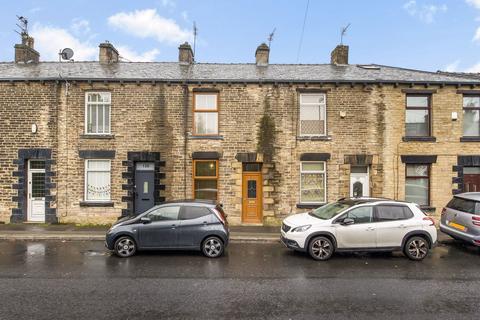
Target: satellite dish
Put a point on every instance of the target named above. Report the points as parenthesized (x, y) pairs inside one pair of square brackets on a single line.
[(66, 54)]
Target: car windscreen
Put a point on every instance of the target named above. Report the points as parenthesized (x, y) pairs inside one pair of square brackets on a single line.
[(464, 205), (330, 210)]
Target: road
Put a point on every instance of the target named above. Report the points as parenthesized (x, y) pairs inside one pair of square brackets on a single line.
[(80, 280)]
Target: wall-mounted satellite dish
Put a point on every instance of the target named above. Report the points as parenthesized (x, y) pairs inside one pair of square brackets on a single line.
[(66, 54)]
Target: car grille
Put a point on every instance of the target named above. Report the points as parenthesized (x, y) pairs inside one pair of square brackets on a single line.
[(285, 228)]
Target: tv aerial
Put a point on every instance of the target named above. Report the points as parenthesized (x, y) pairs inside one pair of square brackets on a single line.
[(343, 33), (65, 54)]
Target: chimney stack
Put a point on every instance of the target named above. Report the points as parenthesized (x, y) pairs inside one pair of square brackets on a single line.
[(24, 52), (339, 55), (108, 53), (261, 55), (185, 54)]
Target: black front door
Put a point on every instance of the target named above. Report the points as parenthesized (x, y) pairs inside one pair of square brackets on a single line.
[(144, 186)]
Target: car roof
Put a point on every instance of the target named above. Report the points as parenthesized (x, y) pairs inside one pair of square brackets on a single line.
[(469, 195), (208, 203), (363, 200)]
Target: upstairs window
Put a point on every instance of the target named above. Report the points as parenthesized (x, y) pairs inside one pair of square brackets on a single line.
[(471, 116), (417, 118), (312, 114), (205, 109), (97, 112)]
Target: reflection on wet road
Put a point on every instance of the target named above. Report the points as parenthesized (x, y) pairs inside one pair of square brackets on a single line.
[(82, 280)]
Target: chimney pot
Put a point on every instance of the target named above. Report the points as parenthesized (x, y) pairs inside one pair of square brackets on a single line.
[(185, 54), (108, 53), (24, 52), (339, 55), (262, 54)]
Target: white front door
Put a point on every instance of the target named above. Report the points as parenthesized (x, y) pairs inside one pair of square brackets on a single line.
[(36, 191), (359, 182)]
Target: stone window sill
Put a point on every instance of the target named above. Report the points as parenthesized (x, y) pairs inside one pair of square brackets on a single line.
[(97, 136), (419, 139), (309, 205), (96, 203), (315, 138), (470, 139), (205, 137)]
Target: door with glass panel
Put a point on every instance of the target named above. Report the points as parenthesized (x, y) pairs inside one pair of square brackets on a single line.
[(36, 191), (359, 182), (144, 186), (252, 200)]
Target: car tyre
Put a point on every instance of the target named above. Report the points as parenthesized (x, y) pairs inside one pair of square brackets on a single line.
[(125, 247), (321, 248), (212, 247), (416, 248)]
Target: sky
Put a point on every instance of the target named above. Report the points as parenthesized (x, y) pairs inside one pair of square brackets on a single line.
[(420, 34)]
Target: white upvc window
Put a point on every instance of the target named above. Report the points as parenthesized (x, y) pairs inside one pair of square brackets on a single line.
[(205, 109), (97, 112), (313, 114), (313, 182), (97, 180)]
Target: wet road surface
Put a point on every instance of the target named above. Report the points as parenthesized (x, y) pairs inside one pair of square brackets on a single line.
[(81, 280)]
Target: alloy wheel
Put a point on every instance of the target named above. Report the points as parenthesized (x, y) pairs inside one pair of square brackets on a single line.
[(212, 247), (125, 247), (321, 248), (417, 248)]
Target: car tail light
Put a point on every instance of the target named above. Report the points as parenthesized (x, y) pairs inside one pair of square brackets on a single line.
[(444, 210), (476, 220), (476, 242), (432, 221), (221, 216)]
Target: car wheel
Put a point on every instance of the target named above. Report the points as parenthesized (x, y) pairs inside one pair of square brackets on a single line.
[(321, 248), (125, 247), (416, 248), (212, 247)]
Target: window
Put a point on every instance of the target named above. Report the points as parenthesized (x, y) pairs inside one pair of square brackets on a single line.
[(205, 109), (164, 213), (191, 212), (392, 213), (417, 184), (312, 114), (312, 182), (417, 118), (97, 180), (360, 215), (97, 113), (471, 116), (205, 176)]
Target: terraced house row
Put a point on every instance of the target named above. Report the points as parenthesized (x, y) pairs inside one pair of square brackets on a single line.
[(89, 142)]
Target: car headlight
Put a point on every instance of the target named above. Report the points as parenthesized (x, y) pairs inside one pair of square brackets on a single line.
[(301, 228), (113, 227)]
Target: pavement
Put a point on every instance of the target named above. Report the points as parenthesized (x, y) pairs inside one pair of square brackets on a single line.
[(81, 280), (71, 232)]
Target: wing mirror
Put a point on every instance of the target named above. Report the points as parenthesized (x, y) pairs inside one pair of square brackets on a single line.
[(145, 220), (347, 222)]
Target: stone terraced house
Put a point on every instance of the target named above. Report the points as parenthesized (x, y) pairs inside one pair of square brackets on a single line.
[(89, 142)]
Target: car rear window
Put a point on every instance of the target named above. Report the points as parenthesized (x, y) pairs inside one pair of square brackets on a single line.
[(392, 213), (192, 212), (464, 205)]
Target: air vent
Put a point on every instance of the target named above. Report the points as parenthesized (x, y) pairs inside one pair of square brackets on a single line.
[(369, 66)]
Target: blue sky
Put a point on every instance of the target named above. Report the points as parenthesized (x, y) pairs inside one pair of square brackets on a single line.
[(420, 34)]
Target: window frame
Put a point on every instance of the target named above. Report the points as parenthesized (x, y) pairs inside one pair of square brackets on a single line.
[(195, 177), (429, 168), (324, 181), (85, 196), (321, 113), (428, 108), (194, 111), (87, 93), (468, 108)]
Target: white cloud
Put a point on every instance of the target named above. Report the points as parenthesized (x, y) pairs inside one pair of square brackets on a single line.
[(132, 55), (80, 26), (474, 68), (425, 12), (50, 40), (148, 24), (476, 37), (474, 3), (168, 3), (452, 67)]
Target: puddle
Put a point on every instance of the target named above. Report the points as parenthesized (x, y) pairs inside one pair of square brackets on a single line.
[(93, 253)]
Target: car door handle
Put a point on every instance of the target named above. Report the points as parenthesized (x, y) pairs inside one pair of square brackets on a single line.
[(402, 226), (174, 226), (370, 229), (205, 222)]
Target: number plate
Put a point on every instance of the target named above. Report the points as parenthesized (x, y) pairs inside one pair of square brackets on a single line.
[(457, 226)]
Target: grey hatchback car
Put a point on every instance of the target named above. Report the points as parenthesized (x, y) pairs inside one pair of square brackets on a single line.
[(461, 218), (185, 225)]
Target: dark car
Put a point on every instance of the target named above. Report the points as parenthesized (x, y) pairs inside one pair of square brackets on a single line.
[(185, 225)]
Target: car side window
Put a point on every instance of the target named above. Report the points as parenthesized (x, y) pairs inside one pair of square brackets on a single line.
[(193, 212), (360, 214), (164, 213), (393, 213)]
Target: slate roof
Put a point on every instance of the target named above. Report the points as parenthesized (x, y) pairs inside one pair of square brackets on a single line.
[(217, 72), (467, 75)]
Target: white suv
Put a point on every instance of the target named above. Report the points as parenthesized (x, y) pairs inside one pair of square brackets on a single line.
[(361, 224)]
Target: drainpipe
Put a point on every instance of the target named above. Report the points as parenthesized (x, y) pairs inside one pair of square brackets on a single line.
[(185, 138)]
